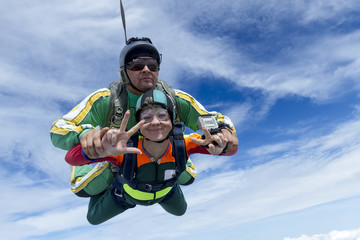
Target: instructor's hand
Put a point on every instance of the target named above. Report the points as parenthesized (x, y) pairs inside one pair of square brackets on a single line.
[(232, 140), (115, 140), (91, 143), (210, 141)]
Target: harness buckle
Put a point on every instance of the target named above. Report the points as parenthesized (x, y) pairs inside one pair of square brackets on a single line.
[(118, 194), (148, 187)]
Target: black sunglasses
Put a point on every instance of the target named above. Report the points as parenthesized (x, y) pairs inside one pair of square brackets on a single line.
[(139, 64)]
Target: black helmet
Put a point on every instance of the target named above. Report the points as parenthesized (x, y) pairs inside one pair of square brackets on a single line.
[(136, 47)]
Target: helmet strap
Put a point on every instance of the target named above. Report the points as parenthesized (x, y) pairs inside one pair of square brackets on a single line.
[(123, 74), (133, 86)]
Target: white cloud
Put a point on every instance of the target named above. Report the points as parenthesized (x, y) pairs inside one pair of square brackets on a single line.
[(343, 138), (311, 71), (306, 75), (320, 10), (306, 69), (333, 235)]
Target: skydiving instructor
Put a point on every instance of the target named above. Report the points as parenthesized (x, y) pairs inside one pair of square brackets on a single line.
[(88, 122)]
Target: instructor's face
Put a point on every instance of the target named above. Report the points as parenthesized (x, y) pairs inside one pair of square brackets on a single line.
[(143, 79)]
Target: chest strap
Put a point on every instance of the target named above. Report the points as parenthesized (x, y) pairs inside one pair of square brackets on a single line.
[(152, 187)]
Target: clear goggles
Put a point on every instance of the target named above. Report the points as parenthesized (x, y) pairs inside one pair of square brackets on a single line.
[(148, 115)]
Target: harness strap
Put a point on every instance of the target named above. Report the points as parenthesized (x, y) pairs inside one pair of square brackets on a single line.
[(127, 168), (146, 196), (118, 104), (146, 187), (179, 150), (129, 164)]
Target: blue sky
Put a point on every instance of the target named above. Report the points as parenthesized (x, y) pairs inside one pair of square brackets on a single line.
[(285, 72)]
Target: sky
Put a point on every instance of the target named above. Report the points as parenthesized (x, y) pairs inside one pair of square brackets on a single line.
[(285, 72)]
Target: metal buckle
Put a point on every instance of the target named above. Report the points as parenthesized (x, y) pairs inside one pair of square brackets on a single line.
[(148, 187), (118, 194)]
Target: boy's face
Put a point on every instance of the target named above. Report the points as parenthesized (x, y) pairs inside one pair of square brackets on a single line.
[(157, 124)]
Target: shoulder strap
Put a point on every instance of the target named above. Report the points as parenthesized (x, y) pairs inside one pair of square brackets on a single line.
[(129, 164), (179, 149), (167, 89), (117, 105)]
